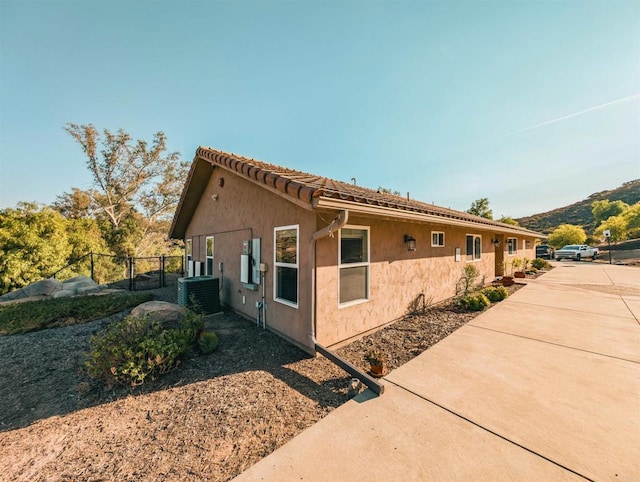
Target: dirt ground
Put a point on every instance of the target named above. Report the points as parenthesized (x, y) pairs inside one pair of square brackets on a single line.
[(210, 419)]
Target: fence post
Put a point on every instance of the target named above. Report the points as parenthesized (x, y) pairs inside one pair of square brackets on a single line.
[(162, 278), (130, 263), (92, 271)]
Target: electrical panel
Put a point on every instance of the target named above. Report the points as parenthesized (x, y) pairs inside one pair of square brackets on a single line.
[(245, 271)]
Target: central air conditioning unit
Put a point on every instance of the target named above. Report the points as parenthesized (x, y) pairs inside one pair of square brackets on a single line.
[(202, 292)]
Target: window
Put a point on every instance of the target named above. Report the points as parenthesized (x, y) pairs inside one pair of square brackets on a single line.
[(209, 256), (286, 265), (353, 255), (437, 239), (474, 247), (512, 246)]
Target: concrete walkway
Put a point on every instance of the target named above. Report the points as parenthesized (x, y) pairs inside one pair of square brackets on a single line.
[(544, 386)]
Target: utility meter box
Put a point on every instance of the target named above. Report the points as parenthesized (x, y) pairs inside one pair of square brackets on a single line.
[(246, 247)]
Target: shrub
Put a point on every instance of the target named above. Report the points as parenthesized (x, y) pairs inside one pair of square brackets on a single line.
[(475, 302), (540, 263), (137, 349), (468, 280), (495, 293), (208, 342)]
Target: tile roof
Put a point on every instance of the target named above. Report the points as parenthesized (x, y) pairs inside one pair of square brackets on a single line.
[(309, 187)]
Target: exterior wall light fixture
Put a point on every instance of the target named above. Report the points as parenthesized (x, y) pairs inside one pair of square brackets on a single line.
[(496, 242), (410, 242)]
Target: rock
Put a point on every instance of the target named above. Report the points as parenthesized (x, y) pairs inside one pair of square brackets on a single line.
[(14, 295), (163, 311), (63, 293), (45, 287), (75, 284), (85, 290)]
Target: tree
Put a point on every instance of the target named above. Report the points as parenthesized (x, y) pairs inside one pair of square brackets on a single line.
[(135, 185), (33, 245), (480, 207), (604, 209), (617, 225), (632, 216), (567, 234), (508, 220), (74, 205)]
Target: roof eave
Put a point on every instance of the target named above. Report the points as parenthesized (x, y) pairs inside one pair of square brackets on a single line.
[(417, 216)]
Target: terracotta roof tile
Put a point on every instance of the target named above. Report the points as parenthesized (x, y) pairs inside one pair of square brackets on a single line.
[(306, 187)]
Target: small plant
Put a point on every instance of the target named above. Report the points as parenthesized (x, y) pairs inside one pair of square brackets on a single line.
[(495, 293), (136, 349), (378, 361), (540, 263), (208, 342), (376, 357), (517, 264), (525, 263), (475, 302), (507, 268), (468, 281)]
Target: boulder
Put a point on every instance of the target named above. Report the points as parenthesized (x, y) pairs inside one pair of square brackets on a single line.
[(79, 282), (63, 293), (163, 311), (14, 295), (45, 287)]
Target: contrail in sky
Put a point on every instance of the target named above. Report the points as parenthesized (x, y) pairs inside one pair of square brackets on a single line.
[(569, 116)]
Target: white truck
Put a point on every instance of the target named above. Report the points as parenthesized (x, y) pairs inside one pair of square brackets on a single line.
[(576, 252)]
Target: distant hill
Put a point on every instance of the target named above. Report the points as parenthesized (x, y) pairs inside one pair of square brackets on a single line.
[(579, 213)]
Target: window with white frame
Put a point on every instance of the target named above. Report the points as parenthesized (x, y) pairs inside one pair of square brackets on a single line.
[(209, 256), (437, 239), (285, 261), (353, 257), (474, 247), (512, 246)]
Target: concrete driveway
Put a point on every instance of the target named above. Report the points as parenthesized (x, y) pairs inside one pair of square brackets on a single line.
[(544, 386)]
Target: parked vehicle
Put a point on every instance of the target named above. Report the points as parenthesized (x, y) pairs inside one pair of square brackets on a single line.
[(545, 251), (576, 252)]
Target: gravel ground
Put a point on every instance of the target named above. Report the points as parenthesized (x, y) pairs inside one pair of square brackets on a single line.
[(210, 419)]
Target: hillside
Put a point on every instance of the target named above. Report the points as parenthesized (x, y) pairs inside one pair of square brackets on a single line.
[(579, 213)]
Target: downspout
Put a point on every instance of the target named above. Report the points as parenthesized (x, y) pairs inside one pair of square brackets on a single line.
[(369, 381)]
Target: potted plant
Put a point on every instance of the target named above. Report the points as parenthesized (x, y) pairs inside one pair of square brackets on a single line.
[(377, 360), (507, 277), (517, 271)]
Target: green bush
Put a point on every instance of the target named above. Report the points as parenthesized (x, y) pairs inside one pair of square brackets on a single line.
[(540, 263), (40, 314), (208, 342), (137, 349), (495, 293), (468, 280), (475, 302)]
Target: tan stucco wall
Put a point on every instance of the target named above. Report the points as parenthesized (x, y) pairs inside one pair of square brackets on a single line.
[(243, 210), (397, 276), (241, 205)]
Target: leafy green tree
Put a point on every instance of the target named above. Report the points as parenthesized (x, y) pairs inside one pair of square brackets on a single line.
[(508, 220), (480, 207), (136, 185), (33, 245), (604, 209), (617, 225), (567, 234), (632, 216)]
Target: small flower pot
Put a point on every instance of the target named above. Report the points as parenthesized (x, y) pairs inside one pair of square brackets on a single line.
[(519, 274), (507, 280), (378, 371)]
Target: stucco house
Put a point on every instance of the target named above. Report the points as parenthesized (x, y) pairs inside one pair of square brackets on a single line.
[(323, 261)]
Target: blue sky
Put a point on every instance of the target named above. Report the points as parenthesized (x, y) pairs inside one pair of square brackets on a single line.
[(532, 104)]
